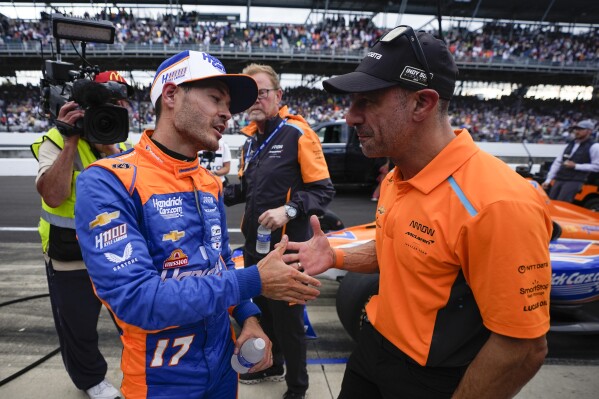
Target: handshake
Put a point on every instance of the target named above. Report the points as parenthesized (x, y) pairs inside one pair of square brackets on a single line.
[(283, 282), (283, 276)]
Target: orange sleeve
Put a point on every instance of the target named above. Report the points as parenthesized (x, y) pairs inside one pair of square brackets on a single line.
[(310, 157), (505, 258)]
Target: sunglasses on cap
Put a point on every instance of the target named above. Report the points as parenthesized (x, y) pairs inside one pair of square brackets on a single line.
[(407, 31)]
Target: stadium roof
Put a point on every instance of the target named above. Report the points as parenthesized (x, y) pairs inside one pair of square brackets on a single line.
[(569, 11)]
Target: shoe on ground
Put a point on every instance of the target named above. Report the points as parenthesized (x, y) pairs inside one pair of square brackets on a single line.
[(273, 374), (294, 395), (103, 390)]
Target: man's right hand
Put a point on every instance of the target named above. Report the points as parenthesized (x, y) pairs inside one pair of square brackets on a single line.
[(315, 256), (283, 282), (70, 113)]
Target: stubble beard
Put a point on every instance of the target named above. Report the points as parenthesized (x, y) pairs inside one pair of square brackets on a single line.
[(197, 128)]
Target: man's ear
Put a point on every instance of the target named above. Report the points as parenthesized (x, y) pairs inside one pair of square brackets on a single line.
[(279, 95), (168, 95), (426, 102)]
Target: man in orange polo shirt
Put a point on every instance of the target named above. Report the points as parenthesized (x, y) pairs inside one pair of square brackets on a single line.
[(461, 241)]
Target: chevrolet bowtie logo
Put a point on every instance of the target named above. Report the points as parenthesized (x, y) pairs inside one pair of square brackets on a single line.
[(381, 210), (103, 219), (173, 235)]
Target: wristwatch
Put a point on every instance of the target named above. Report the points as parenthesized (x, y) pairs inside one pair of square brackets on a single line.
[(290, 211)]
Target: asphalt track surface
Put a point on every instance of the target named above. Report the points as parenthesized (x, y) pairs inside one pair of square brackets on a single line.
[(27, 332)]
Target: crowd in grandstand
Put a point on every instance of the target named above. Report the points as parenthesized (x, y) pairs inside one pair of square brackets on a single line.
[(506, 119), (494, 40)]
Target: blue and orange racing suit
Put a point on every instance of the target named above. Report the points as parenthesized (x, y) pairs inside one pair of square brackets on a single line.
[(153, 234)]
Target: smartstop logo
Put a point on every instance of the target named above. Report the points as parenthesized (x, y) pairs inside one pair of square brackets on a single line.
[(170, 208), (536, 288)]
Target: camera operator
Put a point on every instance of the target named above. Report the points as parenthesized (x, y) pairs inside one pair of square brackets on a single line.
[(218, 162), (74, 305)]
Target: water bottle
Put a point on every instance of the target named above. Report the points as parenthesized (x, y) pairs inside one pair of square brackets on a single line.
[(251, 352), (263, 240)]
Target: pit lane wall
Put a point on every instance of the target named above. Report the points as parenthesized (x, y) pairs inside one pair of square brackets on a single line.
[(16, 158)]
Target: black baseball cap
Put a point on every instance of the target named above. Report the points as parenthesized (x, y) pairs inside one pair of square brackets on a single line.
[(396, 62)]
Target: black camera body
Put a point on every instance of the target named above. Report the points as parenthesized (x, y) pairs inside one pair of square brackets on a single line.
[(103, 122), (207, 158)]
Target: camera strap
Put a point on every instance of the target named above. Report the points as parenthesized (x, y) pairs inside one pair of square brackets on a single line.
[(67, 130)]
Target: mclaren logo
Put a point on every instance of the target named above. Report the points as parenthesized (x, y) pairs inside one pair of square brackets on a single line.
[(103, 219), (173, 236)]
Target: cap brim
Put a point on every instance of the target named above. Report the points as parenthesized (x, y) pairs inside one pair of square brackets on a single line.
[(583, 126), (355, 82), (242, 89)]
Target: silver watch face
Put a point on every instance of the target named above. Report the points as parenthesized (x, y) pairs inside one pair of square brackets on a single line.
[(291, 211)]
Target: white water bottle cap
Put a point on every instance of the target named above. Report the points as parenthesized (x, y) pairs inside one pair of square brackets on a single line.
[(259, 344)]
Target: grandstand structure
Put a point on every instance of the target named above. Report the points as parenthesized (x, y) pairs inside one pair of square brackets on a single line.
[(521, 42), (551, 15)]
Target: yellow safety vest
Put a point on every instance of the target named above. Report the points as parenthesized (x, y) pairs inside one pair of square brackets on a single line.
[(64, 214)]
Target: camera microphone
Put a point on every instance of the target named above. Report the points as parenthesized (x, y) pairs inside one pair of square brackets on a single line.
[(88, 93)]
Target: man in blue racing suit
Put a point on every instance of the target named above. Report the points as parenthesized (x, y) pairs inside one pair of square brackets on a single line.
[(153, 232)]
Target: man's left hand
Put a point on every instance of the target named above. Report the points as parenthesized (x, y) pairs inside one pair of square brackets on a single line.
[(569, 164), (274, 218), (252, 329)]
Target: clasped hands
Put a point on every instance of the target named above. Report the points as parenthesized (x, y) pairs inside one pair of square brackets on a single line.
[(283, 282), (287, 277)]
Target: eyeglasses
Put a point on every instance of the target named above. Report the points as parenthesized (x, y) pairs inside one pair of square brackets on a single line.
[(263, 93), (404, 30)]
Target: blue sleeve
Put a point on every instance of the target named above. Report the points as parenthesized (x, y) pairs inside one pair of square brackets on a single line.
[(124, 274), (246, 308)]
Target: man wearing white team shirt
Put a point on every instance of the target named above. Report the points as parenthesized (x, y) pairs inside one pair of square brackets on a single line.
[(219, 161)]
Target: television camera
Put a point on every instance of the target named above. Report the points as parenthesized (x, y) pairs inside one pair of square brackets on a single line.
[(207, 158), (103, 122)]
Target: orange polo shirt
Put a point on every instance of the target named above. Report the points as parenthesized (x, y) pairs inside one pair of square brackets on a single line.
[(463, 248)]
